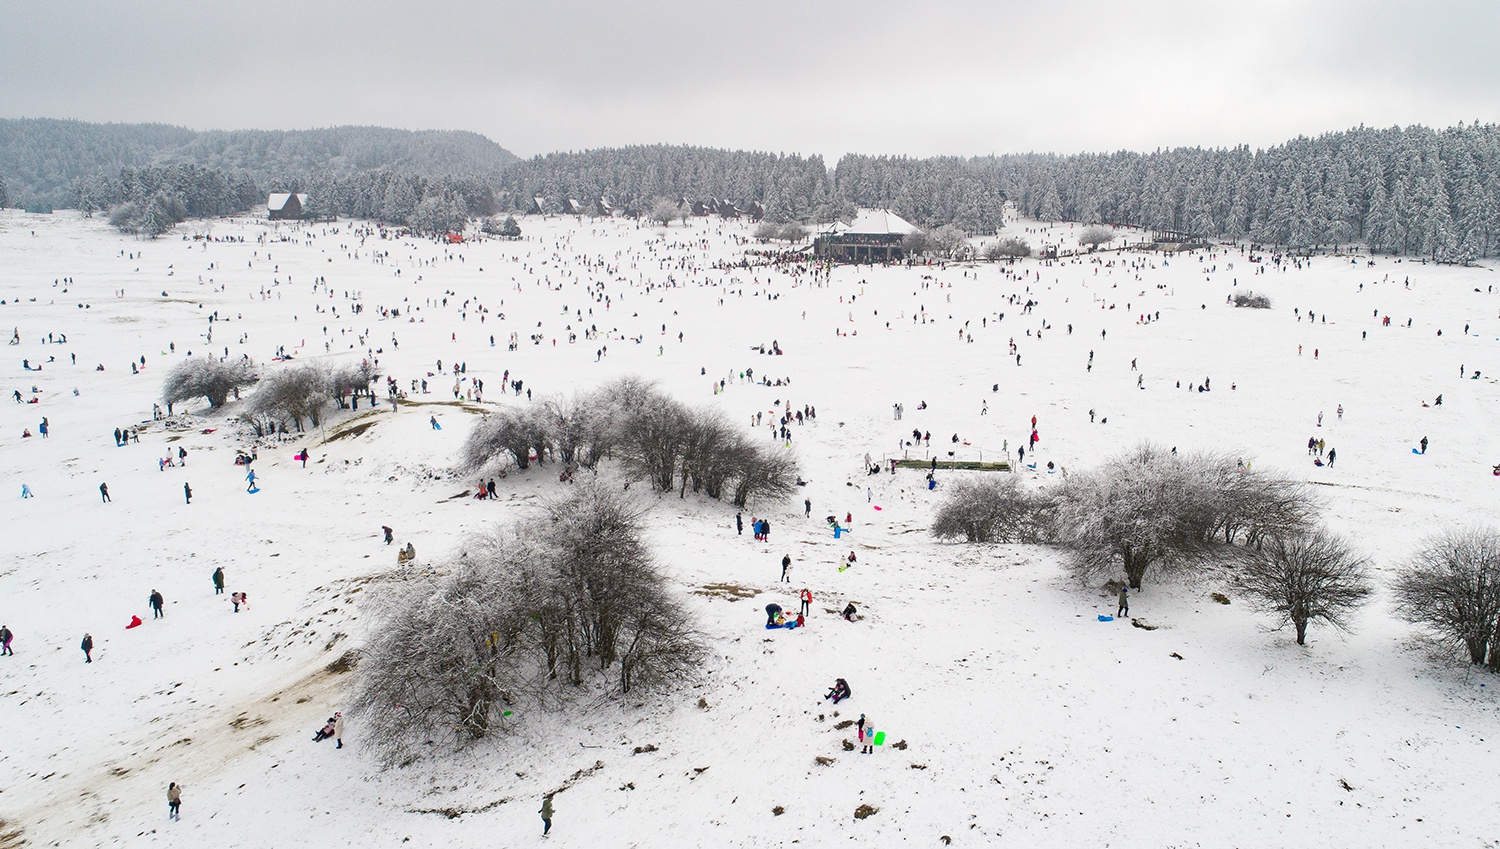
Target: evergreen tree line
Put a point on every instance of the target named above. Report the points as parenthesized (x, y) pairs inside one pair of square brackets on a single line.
[(790, 186), (1412, 190), (1409, 190), (43, 159), (1415, 190)]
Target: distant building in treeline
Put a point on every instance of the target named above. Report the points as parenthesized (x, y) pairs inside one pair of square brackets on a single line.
[(285, 206), (875, 236)]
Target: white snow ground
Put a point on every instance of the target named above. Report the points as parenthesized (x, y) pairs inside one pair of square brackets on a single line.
[(1028, 722)]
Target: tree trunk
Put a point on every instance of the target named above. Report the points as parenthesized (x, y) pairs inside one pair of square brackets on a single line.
[(1301, 631)]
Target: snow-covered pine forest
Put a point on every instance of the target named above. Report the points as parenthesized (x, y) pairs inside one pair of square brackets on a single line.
[(1411, 191)]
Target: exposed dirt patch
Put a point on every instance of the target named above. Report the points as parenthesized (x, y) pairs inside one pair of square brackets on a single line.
[(728, 592)]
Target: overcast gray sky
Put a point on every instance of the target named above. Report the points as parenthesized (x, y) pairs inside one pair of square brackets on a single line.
[(812, 76)]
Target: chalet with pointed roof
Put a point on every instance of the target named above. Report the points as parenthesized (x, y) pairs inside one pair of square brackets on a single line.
[(285, 206), (875, 235)]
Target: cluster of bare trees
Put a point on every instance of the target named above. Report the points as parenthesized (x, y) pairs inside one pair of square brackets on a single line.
[(206, 377), (655, 437), (298, 394), (1252, 300), (525, 619), (1152, 510), (1149, 509)]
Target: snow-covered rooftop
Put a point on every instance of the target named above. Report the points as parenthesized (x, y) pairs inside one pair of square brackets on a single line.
[(879, 222)]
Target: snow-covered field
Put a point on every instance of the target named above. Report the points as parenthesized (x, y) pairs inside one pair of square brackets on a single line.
[(1026, 720)]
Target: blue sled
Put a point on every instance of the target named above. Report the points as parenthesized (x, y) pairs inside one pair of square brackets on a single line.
[(1106, 618)]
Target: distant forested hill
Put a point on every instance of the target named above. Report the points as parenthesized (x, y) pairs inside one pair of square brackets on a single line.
[(45, 161)]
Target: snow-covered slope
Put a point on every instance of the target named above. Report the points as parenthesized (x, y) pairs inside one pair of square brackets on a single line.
[(1026, 721)]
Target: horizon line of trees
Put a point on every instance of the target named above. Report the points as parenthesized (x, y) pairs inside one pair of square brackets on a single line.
[(1412, 190)]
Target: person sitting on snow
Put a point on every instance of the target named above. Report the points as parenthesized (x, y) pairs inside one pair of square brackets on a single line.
[(325, 732), (839, 692), (849, 612)]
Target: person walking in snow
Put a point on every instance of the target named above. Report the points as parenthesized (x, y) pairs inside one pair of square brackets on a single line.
[(5, 637), (174, 801), (187, 493), (156, 601), (250, 477), (786, 568), (1423, 443), (806, 597), (104, 492), (546, 813), (1332, 454), (1124, 606), (88, 648), (338, 730), (219, 581), (739, 524)]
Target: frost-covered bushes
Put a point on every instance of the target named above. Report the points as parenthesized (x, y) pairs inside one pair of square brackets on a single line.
[(1145, 508), (1451, 587), (520, 432), (532, 618), (206, 377), (655, 438), (1252, 300), (994, 509), (1095, 235), (1148, 507), (507, 229), (1009, 247), (289, 395)]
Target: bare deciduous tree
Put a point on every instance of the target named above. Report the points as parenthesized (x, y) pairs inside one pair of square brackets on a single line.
[(1451, 587), (663, 211), (948, 241), (1313, 576), (1095, 235), (1007, 247), (206, 377)]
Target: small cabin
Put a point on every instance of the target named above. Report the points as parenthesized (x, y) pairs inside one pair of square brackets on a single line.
[(572, 207), (285, 206), (538, 206)]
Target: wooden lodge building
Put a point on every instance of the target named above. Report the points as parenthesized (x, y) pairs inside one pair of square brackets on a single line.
[(285, 206), (875, 236)]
